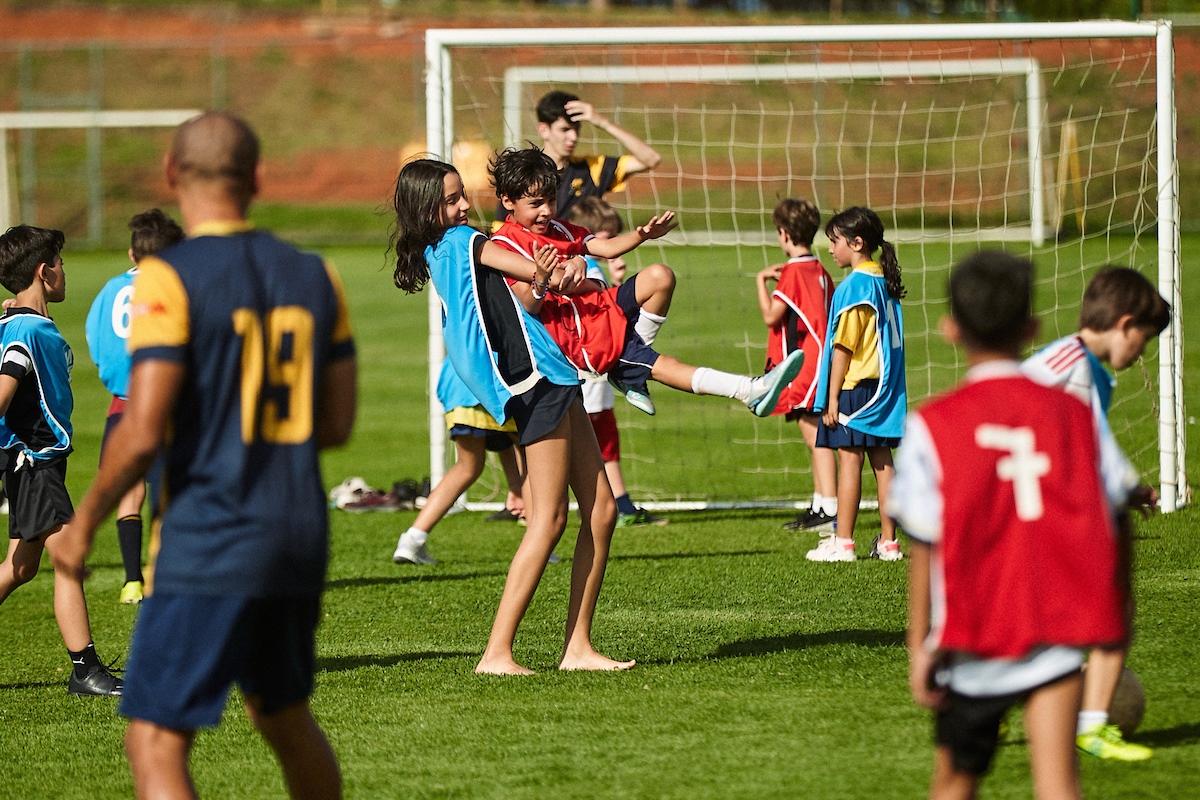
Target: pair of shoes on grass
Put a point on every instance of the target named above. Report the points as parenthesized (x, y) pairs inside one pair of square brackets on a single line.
[(834, 549), (96, 682), (1106, 741), (639, 517)]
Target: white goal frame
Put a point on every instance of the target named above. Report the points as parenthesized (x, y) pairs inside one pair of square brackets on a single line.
[(439, 121), (43, 120)]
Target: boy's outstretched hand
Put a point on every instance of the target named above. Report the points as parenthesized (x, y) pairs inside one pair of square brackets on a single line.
[(658, 226)]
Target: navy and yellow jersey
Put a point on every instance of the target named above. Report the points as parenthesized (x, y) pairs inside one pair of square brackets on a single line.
[(254, 322), (37, 423)]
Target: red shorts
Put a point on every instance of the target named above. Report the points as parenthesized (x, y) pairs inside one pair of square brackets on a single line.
[(605, 424)]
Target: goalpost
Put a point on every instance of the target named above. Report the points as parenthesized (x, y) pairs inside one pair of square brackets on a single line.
[(950, 132)]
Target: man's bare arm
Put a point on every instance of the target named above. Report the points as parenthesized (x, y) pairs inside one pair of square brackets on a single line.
[(338, 403)]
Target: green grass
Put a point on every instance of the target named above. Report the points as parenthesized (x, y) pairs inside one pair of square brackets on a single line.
[(761, 675)]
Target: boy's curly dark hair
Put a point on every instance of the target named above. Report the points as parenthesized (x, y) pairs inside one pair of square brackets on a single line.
[(553, 107), (523, 172), (1114, 292), (152, 231), (22, 249)]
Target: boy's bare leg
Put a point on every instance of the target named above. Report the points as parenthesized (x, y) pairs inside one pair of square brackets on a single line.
[(670, 371), (824, 460), (158, 758), (310, 767), (949, 783), (20, 565), (850, 464), (616, 478), (1050, 728), (70, 606), (1101, 677), (654, 289), (468, 466), (548, 464), (885, 470), (598, 515)]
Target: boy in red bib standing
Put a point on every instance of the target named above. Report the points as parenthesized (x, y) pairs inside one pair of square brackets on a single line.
[(995, 470)]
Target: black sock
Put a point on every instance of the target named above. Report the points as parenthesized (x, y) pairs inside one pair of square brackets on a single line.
[(129, 536), (625, 505), (84, 660)]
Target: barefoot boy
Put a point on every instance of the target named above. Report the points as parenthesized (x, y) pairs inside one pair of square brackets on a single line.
[(1120, 313), (35, 432), (1009, 491)]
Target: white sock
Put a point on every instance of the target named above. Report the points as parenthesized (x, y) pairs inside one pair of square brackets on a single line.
[(829, 506), (816, 503), (417, 536), (647, 326), (722, 384), (1090, 719)]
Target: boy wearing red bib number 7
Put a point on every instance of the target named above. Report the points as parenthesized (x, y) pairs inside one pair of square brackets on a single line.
[(1009, 491)]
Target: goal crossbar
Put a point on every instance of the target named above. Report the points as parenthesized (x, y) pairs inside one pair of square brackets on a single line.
[(45, 120)]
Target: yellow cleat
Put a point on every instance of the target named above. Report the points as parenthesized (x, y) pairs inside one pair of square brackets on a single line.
[(131, 593), (1106, 741)]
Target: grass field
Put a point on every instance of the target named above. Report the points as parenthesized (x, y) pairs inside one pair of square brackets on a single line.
[(761, 675)]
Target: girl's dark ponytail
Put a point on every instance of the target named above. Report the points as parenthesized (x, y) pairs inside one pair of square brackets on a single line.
[(891, 270)]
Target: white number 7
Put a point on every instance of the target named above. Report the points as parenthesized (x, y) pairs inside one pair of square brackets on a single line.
[(1023, 465)]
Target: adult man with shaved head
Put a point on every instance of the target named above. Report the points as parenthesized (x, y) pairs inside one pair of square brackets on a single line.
[(243, 368)]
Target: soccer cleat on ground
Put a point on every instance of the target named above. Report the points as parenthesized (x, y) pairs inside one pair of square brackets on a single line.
[(1106, 741), (639, 398), (409, 552), (503, 515), (765, 389), (886, 551), (832, 549), (639, 517), (131, 592), (812, 521), (98, 682)]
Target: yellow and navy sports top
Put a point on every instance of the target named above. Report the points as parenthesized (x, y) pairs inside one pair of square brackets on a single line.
[(37, 425), (254, 322)]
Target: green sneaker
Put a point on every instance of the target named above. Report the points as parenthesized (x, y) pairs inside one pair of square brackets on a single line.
[(131, 592), (1106, 741), (640, 517)]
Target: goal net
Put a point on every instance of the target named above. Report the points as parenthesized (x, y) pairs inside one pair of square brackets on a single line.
[(1054, 141)]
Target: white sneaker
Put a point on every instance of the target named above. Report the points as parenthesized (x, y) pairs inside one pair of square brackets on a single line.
[(832, 549), (886, 551), (409, 552), (765, 389)]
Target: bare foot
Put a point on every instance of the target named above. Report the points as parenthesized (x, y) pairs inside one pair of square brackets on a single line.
[(501, 666), (594, 662)]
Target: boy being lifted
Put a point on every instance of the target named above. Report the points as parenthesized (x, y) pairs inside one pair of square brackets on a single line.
[(610, 330)]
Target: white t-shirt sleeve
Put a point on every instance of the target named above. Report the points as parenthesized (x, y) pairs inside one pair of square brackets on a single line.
[(915, 500)]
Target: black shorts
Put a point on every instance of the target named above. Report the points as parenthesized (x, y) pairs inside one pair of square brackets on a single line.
[(37, 499), (187, 650), (970, 726), (538, 411)]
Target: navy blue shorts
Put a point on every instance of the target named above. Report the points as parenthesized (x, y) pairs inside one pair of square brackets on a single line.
[(637, 358), (187, 650), (849, 401), (496, 441), (153, 475)]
